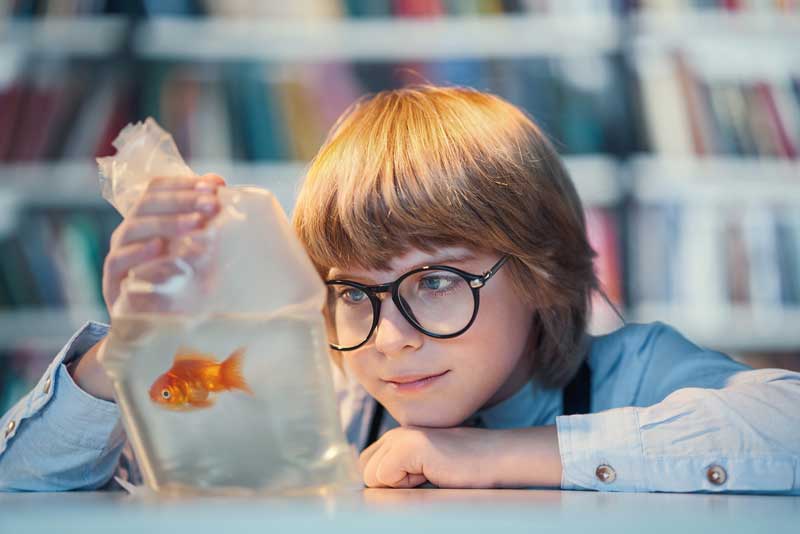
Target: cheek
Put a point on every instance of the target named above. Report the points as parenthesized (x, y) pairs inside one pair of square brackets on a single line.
[(496, 341), (502, 325), (357, 364)]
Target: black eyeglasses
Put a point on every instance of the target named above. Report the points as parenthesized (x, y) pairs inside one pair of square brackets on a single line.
[(438, 300)]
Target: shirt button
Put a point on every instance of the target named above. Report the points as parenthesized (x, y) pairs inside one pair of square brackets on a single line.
[(10, 427), (605, 474), (47, 384), (716, 475)]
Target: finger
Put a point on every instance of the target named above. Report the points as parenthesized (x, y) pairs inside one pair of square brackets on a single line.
[(144, 287), (195, 248), (158, 271), (121, 261), (412, 481), (149, 226), (214, 178), (117, 265), (147, 302), (367, 453), (140, 296), (176, 183), (370, 473), (190, 251), (172, 202)]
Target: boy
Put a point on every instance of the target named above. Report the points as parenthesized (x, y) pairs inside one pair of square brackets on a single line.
[(459, 277)]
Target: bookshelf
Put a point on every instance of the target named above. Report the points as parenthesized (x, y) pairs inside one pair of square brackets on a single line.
[(721, 188), (714, 180), (654, 27), (720, 182), (86, 35), (382, 39), (733, 329), (607, 81)]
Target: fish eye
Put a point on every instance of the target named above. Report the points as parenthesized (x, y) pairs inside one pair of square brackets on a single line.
[(165, 394)]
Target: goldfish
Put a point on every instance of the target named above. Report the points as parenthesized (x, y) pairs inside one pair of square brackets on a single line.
[(193, 376)]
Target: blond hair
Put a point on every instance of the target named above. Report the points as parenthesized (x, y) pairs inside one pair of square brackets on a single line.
[(428, 166)]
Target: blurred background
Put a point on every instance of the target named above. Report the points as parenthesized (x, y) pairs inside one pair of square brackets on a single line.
[(679, 121)]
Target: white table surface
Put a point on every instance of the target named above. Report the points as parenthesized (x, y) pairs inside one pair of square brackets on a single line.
[(406, 511)]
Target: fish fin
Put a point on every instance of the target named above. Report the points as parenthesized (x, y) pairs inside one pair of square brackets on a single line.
[(198, 403), (175, 407), (231, 372), (187, 354)]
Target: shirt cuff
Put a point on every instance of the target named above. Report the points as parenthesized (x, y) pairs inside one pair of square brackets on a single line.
[(608, 451), (81, 419), (89, 334), (602, 451)]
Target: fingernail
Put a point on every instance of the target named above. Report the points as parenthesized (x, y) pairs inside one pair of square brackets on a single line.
[(203, 186)]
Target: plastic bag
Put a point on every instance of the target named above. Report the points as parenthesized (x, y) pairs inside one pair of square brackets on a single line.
[(225, 383)]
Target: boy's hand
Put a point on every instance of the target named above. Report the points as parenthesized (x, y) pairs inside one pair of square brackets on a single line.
[(171, 206), (406, 457)]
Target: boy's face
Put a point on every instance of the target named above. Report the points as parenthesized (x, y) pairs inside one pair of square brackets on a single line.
[(481, 367)]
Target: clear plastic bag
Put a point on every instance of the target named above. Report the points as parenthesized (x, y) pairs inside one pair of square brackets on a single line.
[(220, 367)]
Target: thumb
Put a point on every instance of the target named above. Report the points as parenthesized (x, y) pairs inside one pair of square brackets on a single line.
[(411, 481)]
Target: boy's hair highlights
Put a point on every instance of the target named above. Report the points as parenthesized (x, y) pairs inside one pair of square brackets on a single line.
[(428, 166)]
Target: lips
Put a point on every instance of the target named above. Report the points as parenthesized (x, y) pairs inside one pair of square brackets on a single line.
[(406, 379)]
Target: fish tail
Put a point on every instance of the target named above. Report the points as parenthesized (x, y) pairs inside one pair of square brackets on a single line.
[(231, 372)]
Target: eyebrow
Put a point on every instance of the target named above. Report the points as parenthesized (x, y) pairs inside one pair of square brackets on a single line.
[(464, 256)]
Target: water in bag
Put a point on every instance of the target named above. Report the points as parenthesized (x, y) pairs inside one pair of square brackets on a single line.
[(225, 383)]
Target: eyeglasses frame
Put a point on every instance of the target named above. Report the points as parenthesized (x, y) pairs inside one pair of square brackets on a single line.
[(475, 281)]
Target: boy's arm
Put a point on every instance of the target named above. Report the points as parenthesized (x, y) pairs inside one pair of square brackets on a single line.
[(59, 437), (699, 422)]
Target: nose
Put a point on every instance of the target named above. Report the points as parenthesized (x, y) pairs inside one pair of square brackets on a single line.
[(394, 335)]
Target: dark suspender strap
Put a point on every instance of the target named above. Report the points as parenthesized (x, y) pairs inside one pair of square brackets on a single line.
[(375, 424), (578, 393)]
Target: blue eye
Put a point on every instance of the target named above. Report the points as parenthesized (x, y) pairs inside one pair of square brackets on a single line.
[(353, 296), (436, 283)]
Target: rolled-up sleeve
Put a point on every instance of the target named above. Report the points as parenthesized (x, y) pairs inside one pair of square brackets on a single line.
[(741, 437), (58, 437)]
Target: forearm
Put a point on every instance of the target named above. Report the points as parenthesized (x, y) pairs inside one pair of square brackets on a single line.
[(90, 376), (742, 437), (526, 457)]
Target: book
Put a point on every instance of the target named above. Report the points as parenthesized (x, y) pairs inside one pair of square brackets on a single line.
[(667, 124), (688, 113), (602, 231)]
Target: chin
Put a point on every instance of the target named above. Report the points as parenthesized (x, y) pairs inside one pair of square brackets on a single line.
[(432, 418)]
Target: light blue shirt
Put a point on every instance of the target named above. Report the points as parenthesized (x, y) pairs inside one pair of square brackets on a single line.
[(667, 415)]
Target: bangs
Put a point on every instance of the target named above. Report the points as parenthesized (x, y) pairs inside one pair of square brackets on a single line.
[(419, 167), (427, 167)]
